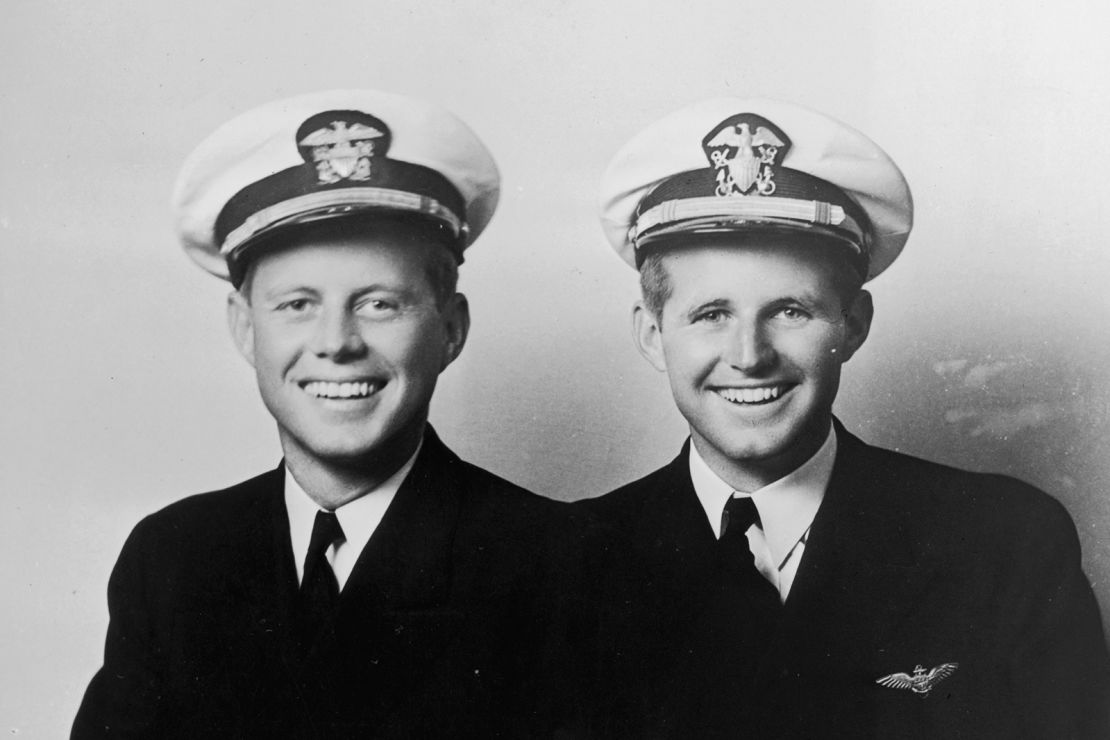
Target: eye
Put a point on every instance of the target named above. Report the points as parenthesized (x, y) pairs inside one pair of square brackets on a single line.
[(377, 307), (295, 305), (793, 313), (710, 316)]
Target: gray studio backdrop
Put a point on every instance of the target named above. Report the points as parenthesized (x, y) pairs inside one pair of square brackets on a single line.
[(121, 392)]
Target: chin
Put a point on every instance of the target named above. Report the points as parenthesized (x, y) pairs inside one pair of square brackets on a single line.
[(343, 453), (359, 444), (754, 451), (343, 442), (757, 444)]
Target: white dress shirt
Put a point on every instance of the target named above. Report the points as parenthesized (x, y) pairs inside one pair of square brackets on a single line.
[(786, 510), (358, 518)]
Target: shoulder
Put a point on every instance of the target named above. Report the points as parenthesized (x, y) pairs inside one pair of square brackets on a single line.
[(489, 484), (956, 504), (945, 486), (640, 493), (209, 514), (498, 502), (489, 513), (478, 489), (503, 533), (657, 503), (195, 542)]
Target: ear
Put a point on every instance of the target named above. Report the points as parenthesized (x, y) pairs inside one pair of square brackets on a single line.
[(240, 324), (648, 335), (456, 323), (857, 324)]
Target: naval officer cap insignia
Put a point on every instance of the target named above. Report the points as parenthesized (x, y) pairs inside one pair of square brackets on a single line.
[(330, 155), (748, 166)]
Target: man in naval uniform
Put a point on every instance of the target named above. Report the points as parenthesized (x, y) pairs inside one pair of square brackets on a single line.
[(373, 584), (780, 577)]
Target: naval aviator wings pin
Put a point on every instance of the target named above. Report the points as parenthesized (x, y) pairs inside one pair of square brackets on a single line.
[(920, 682)]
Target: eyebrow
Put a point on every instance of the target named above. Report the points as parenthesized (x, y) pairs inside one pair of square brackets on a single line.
[(282, 290), (804, 298), (713, 304), (830, 302), (405, 292)]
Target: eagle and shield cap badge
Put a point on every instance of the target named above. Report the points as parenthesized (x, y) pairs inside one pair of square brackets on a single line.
[(744, 150), (341, 145), (330, 155), (734, 165)]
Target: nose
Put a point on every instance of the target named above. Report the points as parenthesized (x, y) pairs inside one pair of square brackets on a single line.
[(337, 335), (750, 348)]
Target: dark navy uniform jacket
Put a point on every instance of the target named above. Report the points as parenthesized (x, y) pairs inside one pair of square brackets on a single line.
[(440, 631), (907, 563)]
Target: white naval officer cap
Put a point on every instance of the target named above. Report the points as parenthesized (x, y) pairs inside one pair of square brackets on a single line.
[(329, 155), (735, 165)]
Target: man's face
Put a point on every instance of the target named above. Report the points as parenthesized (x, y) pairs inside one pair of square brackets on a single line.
[(347, 341), (752, 339)]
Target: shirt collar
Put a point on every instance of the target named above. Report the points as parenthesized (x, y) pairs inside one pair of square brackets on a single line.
[(786, 507), (358, 518)]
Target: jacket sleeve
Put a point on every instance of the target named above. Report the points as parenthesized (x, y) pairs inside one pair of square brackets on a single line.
[(123, 698), (1060, 665)]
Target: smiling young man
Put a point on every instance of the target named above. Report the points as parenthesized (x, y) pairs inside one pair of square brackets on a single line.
[(373, 584), (781, 578)]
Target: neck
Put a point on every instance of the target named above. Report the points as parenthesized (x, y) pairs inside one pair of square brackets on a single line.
[(331, 482)]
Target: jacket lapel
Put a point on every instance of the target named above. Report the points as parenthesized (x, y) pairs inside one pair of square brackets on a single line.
[(672, 532), (860, 575), (260, 567), (690, 630), (406, 563), (396, 613), (262, 587)]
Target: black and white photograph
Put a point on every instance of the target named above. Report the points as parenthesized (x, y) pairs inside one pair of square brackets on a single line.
[(572, 370)]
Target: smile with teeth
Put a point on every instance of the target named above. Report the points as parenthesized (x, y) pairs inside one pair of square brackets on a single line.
[(357, 389), (765, 394)]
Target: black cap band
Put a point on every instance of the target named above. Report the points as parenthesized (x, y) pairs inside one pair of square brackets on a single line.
[(798, 196), (299, 182)]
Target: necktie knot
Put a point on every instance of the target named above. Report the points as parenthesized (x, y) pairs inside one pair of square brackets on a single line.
[(326, 531), (739, 515)]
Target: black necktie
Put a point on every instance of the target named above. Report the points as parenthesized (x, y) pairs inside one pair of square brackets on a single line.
[(319, 588), (739, 515)]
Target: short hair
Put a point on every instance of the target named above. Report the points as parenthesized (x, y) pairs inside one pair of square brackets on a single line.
[(655, 282), (441, 268), (442, 271)]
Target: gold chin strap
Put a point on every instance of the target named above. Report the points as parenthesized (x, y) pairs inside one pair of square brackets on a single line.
[(774, 210), (337, 202)]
